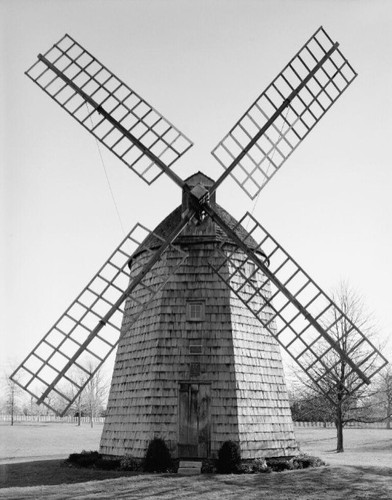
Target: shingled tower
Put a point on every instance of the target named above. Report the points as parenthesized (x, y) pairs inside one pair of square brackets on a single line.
[(197, 368)]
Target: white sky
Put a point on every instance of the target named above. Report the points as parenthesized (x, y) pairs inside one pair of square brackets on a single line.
[(201, 64)]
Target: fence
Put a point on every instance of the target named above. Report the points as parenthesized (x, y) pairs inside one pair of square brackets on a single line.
[(350, 425), (100, 420), (51, 418)]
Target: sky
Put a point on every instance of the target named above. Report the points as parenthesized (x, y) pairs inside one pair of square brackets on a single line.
[(201, 64)]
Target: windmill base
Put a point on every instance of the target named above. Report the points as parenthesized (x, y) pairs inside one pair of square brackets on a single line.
[(197, 368), (198, 383)]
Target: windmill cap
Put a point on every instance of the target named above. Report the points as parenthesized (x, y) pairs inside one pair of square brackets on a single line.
[(199, 184), (207, 232), (199, 178)]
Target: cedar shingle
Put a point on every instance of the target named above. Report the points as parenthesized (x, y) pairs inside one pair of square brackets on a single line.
[(241, 361)]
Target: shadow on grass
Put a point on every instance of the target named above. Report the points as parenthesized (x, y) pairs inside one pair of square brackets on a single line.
[(376, 471), (355, 483), (50, 472)]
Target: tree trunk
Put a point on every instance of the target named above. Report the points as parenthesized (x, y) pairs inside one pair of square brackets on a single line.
[(91, 414), (79, 410), (389, 411), (12, 406), (339, 426)]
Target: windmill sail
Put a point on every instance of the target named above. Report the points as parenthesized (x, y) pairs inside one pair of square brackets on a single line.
[(116, 115), (55, 372), (283, 115), (294, 305)]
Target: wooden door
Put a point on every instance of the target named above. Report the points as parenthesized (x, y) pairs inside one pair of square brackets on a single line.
[(194, 420)]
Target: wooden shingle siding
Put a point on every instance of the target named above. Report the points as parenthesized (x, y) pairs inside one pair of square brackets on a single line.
[(240, 362)]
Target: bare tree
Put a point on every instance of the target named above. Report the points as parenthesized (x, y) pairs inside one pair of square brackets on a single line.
[(91, 400), (79, 376), (12, 395), (95, 392), (11, 398), (341, 404), (386, 389), (382, 397), (309, 407)]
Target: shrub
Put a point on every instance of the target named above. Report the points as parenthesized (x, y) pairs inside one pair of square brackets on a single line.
[(158, 457), (84, 459), (298, 462), (279, 464), (229, 458), (128, 462), (305, 461), (255, 466), (93, 459), (260, 465), (244, 468)]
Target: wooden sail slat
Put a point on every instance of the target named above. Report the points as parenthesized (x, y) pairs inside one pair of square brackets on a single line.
[(77, 329)]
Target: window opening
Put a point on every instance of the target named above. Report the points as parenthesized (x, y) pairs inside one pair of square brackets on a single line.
[(195, 311)]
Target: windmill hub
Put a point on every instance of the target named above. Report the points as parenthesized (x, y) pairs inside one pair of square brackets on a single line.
[(195, 194), (199, 191)]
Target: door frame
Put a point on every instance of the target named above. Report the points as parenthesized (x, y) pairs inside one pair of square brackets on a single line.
[(208, 451)]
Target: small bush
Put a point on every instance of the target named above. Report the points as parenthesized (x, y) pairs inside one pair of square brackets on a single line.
[(244, 468), (93, 459), (255, 466), (279, 464), (130, 463), (158, 457), (306, 461), (229, 458), (84, 459), (295, 463), (260, 465)]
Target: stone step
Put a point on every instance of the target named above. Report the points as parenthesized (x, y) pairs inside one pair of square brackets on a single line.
[(190, 463), (189, 467), (189, 471)]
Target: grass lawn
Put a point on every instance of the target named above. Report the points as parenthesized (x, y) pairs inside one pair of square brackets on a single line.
[(349, 483), (364, 471), (42, 441), (363, 447)]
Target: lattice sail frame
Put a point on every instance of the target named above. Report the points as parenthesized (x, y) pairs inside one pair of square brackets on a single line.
[(265, 136), (109, 93), (280, 316), (60, 354), (283, 115)]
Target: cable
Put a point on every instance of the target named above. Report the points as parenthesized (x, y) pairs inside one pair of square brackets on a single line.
[(106, 175), (110, 187)]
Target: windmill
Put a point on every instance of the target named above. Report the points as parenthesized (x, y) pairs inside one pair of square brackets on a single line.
[(199, 306)]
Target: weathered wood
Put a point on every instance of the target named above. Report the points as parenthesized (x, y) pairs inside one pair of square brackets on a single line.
[(239, 393)]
